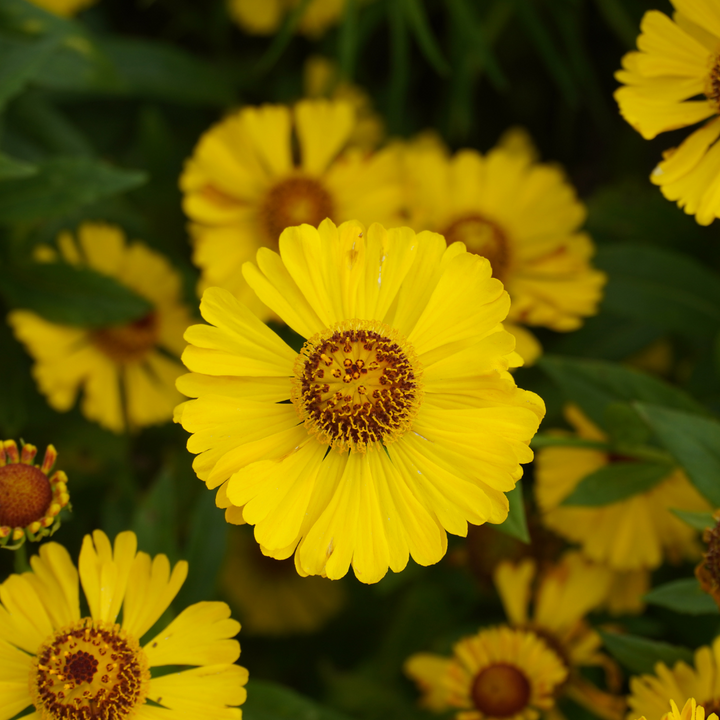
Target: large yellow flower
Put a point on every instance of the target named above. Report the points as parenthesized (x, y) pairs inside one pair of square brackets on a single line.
[(630, 534), (673, 81), (523, 216), (564, 595), (243, 186), (270, 596), (498, 674), (650, 694), (263, 17), (125, 371), (62, 665), (397, 421)]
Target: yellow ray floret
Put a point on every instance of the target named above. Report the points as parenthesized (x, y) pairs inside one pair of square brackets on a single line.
[(397, 421), (61, 664), (264, 17)]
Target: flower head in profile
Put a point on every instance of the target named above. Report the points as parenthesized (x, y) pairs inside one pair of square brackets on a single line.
[(266, 168), (650, 695), (673, 81), (523, 216), (126, 372), (631, 534), (30, 497), (499, 672), (564, 594), (264, 17), (66, 666), (396, 422)]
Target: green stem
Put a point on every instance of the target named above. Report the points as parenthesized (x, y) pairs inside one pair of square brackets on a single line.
[(21, 559)]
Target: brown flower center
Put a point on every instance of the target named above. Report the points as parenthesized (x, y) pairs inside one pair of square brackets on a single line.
[(483, 237), (500, 691), (130, 342), (357, 383), (712, 86), (294, 201), (711, 706), (25, 495), (89, 671)]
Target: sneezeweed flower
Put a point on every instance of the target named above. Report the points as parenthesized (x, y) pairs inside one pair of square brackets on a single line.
[(650, 695), (631, 534), (123, 370), (270, 596), (673, 81), (626, 592), (396, 422), (523, 216), (64, 8), (708, 571), (562, 597), (264, 17), (497, 673), (30, 498), (242, 187), (68, 667), (691, 711)]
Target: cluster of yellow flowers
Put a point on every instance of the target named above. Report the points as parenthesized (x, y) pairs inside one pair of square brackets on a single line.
[(411, 276)]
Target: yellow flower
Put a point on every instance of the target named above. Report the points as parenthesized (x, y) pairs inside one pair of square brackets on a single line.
[(650, 694), (521, 215), (565, 594), (242, 187), (270, 596), (100, 360), (627, 588), (322, 79), (673, 81), (64, 8), (64, 665), (396, 422), (263, 17), (498, 673), (630, 534), (30, 501)]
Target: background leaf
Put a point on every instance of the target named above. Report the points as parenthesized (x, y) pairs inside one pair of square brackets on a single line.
[(639, 655), (516, 523), (683, 596), (269, 701), (697, 520)]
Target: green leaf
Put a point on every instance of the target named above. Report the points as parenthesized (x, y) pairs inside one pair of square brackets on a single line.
[(594, 384), (639, 655), (20, 62), (11, 169), (697, 520), (155, 519), (418, 22), (270, 701), (282, 38), (666, 289), (62, 185), (694, 441), (348, 40), (683, 596), (399, 64), (619, 21), (617, 481), (70, 295), (544, 440), (624, 425), (515, 524)]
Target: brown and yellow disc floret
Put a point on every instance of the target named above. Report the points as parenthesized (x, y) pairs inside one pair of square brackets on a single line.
[(30, 501)]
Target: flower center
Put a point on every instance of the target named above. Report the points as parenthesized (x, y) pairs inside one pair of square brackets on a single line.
[(711, 706), (89, 671), (500, 691), (483, 237), (294, 201), (126, 343), (357, 383), (25, 495), (712, 86)]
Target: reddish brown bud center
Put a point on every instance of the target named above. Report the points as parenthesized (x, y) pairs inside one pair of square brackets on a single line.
[(482, 237), (126, 343), (501, 691), (25, 495)]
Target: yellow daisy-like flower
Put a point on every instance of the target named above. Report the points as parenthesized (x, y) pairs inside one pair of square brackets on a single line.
[(30, 501), (270, 596), (125, 371), (631, 534), (499, 673), (64, 8), (68, 667), (650, 694), (396, 422), (626, 592), (523, 216), (690, 711), (263, 17), (673, 81), (564, 595), (242, 186)]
